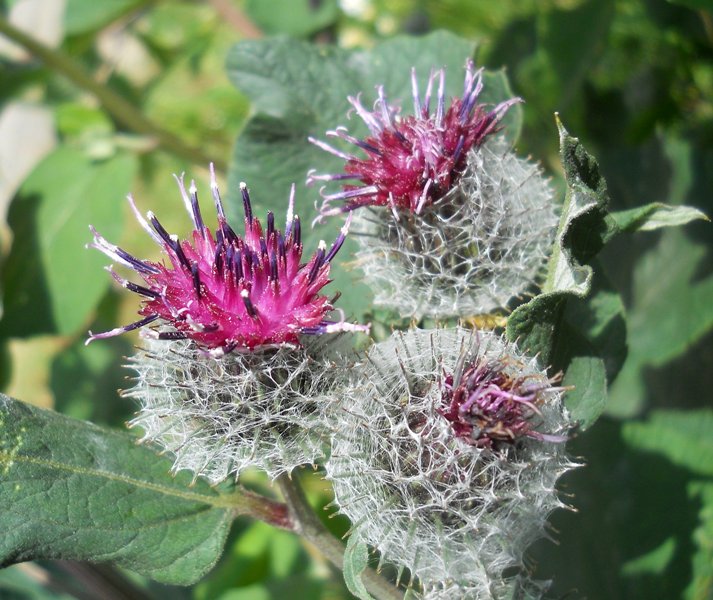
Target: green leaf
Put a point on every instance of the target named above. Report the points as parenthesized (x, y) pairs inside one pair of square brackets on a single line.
[(695, 4), (653, 562), (82, 16), (595, 326), (684, 437), (571, 41), (71, 490), (51, 282), (356, 559), (16, 584), (655, 216), (588, 399), (701, 586), (584, 227), (298, 89), (292, 17), (668, 315)]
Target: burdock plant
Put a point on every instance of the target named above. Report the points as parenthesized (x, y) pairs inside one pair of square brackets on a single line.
[(446, 454), (229, 377), (444, 447), (453, 223)]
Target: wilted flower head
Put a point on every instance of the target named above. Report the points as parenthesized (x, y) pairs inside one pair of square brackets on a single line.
[(411, 161), (224, 291), (445, 456), (469, 252), (489, 405)]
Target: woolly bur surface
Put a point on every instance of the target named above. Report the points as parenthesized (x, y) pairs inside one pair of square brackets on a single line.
[(218, 416), (468, 253), (427, 500)]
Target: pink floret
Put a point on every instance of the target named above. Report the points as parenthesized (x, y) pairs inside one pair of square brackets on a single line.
[(412, 161), (227, 292)]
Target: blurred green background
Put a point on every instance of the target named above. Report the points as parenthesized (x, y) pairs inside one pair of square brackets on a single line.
[(632, 79)]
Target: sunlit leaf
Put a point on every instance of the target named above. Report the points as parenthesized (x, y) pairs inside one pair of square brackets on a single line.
[(701, 586), (356, 559), (655, 216), (684, 437), (50, 281), (292, 17), (71, 490), (82, 16), (580, 235)]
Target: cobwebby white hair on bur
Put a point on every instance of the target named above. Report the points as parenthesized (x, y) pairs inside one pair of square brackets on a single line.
[(453, 510), (471, 251), (218, 416)]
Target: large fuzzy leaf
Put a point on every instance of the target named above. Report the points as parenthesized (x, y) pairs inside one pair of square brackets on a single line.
[(71, 490), (51, 282)]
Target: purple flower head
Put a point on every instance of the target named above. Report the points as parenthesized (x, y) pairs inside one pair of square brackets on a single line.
[(228, 292), (488, 407), (411, 161)]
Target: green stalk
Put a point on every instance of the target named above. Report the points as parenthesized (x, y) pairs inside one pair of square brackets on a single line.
[(250, 504), (308, 525), (122, 110)]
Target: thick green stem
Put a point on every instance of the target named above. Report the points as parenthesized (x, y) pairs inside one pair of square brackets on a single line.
[(122, 110), (311, 528)]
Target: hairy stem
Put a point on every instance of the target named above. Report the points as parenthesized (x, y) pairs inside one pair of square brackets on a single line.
[(311, 528), (264, 509), (122, 110)]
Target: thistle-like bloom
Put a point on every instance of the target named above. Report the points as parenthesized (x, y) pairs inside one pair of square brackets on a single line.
[(456, 224), (228, 292), (411, 161), (470, 252), (445, 456)]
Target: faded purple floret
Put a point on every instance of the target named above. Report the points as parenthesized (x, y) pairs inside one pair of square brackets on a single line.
[(487, 407), (411, 161), (228, 292)]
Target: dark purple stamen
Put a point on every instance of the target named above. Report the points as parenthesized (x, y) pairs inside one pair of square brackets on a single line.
[(459, 149), (229, 258), (249, 306), (218, 202), (335, 246), (197, 211), (226, 231), (172, 335), (247, 207), (138, 324), (297, 232), (366, 146), (281, 248), (218, 259), (238, 265), (196, 278), (140, 289), (273, 266), (270, 224), (171, 242), (317, 264), (137, 264), (249, 260)]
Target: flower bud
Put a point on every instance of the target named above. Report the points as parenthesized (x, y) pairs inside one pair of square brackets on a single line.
[(445, 455)]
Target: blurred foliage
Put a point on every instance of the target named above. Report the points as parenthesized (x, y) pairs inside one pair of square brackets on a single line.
[(632, 79)]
